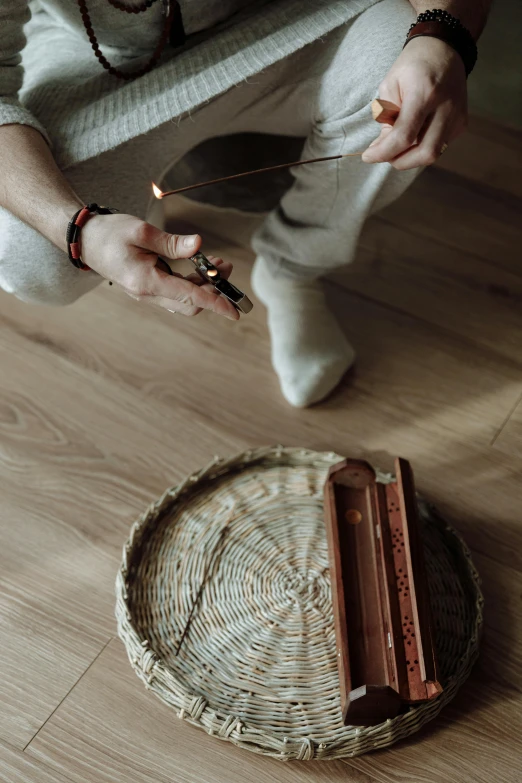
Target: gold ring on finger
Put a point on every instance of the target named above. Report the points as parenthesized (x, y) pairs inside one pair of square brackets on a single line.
[(443, 149)]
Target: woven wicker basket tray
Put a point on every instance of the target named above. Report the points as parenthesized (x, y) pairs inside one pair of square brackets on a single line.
[(257, 662)]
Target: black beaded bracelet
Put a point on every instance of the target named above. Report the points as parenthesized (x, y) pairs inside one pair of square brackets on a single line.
[(72, 236), (441, 24)]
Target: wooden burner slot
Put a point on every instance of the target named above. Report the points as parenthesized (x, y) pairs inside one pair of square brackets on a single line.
[(385, 649)]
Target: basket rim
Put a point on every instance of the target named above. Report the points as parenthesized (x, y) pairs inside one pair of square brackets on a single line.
[(158, 676)]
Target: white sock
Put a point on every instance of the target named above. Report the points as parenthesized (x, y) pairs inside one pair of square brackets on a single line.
[(310, 354)]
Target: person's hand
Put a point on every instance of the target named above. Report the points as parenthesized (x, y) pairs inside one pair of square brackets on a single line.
[(428, 83), (125, 250)]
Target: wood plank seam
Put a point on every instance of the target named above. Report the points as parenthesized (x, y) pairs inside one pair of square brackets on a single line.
[(381, 217), (69, 691), (438, 241), (459, 339), (506, 421), (41, 765)]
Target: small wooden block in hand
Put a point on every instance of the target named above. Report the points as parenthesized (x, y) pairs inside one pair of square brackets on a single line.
[(384, 111)]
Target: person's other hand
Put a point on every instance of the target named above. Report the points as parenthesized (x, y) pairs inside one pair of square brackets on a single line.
[(428, 83), (125, 250)]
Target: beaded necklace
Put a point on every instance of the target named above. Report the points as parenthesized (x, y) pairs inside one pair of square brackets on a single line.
[(173, 29)]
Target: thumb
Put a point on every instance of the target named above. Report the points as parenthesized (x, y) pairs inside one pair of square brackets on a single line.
[(172, 245), (367, 154)]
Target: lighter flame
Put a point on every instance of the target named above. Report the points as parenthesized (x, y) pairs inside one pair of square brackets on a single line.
[(157, 192)]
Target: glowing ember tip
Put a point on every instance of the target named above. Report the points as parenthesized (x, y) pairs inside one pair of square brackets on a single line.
[(157, 192)]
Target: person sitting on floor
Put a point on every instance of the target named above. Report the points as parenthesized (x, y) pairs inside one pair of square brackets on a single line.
[(110, 93)]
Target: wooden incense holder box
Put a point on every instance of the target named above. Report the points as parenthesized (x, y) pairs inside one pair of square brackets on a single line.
[(385, 649)]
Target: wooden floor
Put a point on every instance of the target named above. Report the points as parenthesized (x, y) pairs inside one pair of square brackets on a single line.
[(106, 403)]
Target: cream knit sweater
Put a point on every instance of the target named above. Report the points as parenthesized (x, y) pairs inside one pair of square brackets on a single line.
[(50, 79)]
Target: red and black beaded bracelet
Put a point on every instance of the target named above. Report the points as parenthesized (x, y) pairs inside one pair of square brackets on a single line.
[(72, 237), (440, 24)]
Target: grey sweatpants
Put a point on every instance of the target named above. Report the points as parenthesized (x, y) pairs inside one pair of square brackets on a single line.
[(322, 93)]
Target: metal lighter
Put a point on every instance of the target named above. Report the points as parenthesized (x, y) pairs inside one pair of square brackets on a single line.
[(211, 274)]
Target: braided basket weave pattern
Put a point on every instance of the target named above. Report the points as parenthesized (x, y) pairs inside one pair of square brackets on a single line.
[(257, 664)]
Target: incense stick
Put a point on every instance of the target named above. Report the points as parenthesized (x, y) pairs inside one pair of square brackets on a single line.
[(216, 551), (159, 194), (382, 111)]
